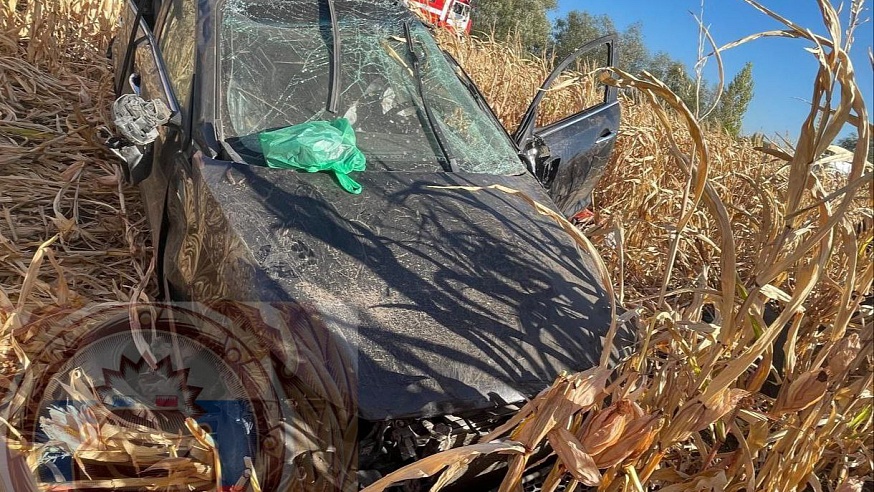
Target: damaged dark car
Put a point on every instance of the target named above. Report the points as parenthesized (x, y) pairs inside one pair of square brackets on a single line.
[(413, 316)]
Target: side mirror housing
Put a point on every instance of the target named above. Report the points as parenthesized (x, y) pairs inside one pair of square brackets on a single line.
[(540, 162), (136, 121)]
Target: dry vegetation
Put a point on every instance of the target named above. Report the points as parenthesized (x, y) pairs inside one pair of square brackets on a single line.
[(70, 235), (716, 246), (733, 254)]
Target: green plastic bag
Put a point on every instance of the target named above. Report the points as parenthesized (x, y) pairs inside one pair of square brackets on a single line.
[(316, 146)]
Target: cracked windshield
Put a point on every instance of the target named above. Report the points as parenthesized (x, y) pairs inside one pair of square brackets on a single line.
[(277, 68)]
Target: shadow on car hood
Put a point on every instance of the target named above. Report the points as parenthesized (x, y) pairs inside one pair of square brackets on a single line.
[(453, 300)]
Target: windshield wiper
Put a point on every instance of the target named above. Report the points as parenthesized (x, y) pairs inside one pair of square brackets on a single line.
[(432, 123), (334, 89)]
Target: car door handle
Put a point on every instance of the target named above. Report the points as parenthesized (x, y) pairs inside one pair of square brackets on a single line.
[(607, 134)]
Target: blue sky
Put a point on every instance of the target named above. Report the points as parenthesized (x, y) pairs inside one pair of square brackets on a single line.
[(783, 71)]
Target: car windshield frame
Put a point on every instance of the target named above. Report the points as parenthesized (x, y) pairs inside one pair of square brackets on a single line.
[(374, 48)]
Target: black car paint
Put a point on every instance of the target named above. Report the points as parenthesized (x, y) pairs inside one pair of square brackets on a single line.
[(240, 221), (575, 180), (453, 300), (582, 142)]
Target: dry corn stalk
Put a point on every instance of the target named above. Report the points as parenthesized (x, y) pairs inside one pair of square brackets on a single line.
[(763, 229), (777, 232)]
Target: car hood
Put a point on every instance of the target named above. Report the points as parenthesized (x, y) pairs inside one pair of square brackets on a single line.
[(453, 300)]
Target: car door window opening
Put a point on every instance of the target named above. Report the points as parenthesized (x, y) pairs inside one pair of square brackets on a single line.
[(275, 72), (526, 129), (129, 52)]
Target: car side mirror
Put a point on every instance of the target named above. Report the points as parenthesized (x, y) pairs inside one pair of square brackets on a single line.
[(136, 121), (539, 160)]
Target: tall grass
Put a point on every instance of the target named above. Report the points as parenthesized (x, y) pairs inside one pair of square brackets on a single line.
[(730, 255), (71, 235), (59, 193), (747, 266)]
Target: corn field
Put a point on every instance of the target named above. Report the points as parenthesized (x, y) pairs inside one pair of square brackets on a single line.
[(744, 266)]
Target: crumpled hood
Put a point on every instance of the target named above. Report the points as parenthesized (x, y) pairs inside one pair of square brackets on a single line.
[(453, 300)]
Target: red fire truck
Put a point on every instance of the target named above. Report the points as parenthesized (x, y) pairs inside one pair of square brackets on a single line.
[(452, 14)]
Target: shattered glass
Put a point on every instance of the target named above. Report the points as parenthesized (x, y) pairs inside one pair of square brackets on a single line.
[(276, 62)]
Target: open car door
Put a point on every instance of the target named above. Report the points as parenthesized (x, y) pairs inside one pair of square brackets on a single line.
[(569, 156)]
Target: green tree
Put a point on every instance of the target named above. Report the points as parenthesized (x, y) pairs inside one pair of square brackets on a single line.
[(634, 56), (506, 20), (659, 64), (735, 101), (675, 75), (576, 29), (849, 143)]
